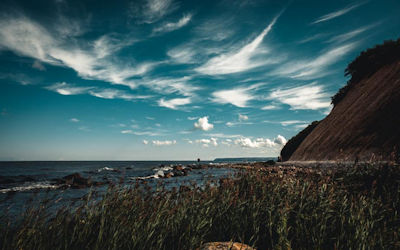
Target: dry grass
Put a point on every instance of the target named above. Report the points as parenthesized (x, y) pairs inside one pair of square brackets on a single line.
[(269, 208)]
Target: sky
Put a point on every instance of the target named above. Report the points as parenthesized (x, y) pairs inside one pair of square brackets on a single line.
[(174, 80)]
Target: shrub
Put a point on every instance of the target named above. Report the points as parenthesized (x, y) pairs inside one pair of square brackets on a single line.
[(367, 63)]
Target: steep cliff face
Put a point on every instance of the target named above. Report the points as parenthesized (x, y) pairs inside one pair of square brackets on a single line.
[(365, 121)]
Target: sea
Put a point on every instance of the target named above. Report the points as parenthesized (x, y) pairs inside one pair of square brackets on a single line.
[(24, 184)]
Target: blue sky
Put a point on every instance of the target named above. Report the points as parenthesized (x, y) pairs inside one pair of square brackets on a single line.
[(174, 80)]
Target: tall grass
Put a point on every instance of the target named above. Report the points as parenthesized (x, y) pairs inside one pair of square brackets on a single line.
[(271, 208)]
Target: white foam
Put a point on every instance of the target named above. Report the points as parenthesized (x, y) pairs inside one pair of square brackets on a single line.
[(30, 186), (105, 169)]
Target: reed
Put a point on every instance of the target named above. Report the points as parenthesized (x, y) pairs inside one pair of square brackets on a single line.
[(271, 208)]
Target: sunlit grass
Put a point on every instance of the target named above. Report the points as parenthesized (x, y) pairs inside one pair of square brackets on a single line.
[(274, 208)]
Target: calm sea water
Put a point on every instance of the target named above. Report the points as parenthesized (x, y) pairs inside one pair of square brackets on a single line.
[(22, 182)]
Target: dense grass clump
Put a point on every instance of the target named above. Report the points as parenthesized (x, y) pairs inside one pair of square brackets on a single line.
[(269, 208)]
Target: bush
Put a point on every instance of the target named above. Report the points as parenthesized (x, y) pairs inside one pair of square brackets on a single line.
[(367, 63)]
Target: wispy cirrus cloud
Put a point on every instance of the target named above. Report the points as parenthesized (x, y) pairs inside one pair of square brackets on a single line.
[(168, 27), (91, 60), (115, 94), (314, 68), (238, 97), (351, 34), (311, 96), (140, 133), (238, 60), (169, 85), (150, 11), (64, 88), (338, 13), (174, 103)]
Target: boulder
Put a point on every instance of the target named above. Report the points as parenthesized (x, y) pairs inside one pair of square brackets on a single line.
[(225, 246)]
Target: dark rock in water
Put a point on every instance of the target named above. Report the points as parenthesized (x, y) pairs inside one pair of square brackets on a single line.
[(6, 180), (169, 175), (225, 246), (270, 162), (179, 168), (178, 173), (75, 180)]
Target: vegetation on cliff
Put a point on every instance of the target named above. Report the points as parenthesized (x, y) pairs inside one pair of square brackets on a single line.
[(268, 208), (367, 63), (295, 141)]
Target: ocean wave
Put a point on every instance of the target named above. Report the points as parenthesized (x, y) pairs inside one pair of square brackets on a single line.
[(105, 169), (29, 187)]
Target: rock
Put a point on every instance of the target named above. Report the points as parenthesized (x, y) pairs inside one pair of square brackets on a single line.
[(270, 162), (178, 168), (75, 180), (169, 175), (225, 246)]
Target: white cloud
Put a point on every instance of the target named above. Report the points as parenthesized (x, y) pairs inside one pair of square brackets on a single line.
[(182, 54), (128, 131), (216, 29), (349, 35), (338, 13), (238, 97), (220, 135), (292, 122), (167, 27), (145, 142), (203, 124), (115, 94), (260, 142), (208, 142), (309, 96), (280, 140), (171, 85), (74, 120), (37, 65), (140, 133), (192, 118), (230, 124), (314, 68), (150, 11), (91, 60), (237, 61), (70, 89), (243, 117), (150, 118), (269, 107), (174, 103), (67, 89), (163, 143)]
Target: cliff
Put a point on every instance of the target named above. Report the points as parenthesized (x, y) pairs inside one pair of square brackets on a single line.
[(365, 120)]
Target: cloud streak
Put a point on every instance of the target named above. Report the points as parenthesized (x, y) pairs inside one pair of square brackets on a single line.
[(168, 27), (237, 61), (174, 103), (337, 13), (314, 68), (310, 96)]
